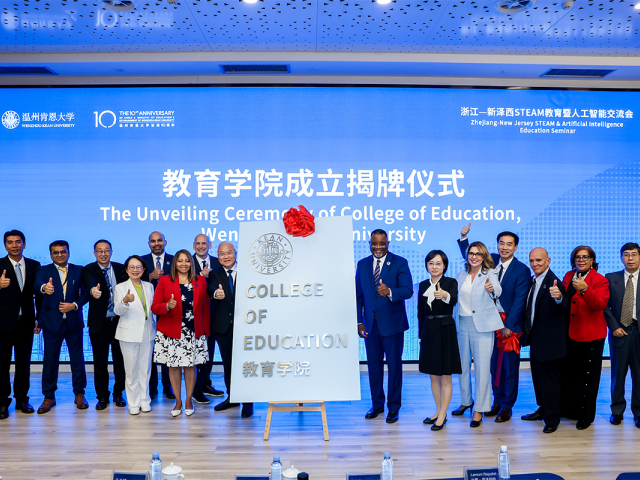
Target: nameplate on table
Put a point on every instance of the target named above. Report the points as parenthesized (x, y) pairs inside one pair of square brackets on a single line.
[(251, 476), (130, 475), (480, 473), (364, 476)]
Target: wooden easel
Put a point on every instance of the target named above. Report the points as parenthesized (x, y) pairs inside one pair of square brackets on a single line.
[(297, 407)]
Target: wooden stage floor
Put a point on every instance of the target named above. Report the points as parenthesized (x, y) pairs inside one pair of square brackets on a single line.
[(73, 444)]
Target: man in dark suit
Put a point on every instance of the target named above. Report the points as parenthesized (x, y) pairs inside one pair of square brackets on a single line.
[(223, 293), (383, 283), (60, 317), (17, 322), (158, 263), (100, 279), (622, 314), (515, 279), (205, 263), (545, 331)]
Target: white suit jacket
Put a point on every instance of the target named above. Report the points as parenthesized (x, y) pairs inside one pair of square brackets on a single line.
[(132, 316), (486, 317)]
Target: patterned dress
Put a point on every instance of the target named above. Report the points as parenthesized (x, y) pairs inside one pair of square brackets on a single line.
[(187, 351)]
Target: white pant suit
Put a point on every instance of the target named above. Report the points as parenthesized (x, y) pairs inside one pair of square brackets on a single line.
[(136, 332), (478, 319)]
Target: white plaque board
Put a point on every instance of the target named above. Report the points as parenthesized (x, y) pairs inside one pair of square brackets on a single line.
[(295, 331)]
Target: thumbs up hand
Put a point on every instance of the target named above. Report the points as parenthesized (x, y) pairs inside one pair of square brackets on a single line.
[(171, 304), (440, 294), (555, 292), (579, 284), (128, 298), (219, 293), (48, 288), (4, 281), (465, 230), (383, 290), (488, 286), (95, 292)]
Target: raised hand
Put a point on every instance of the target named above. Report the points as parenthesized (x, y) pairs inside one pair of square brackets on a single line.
[(128, 298), (95, 292), (205, 272), (156, 274), (4, 281), (171, 304), (555, 292), (579, 284), (488, 286), (383, 290), (440, 294), (465, 230), (48, 287), (219, 293)]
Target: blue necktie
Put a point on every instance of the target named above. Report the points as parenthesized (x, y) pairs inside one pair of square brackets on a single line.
[(376, 276), (230, 280), (106, 275)]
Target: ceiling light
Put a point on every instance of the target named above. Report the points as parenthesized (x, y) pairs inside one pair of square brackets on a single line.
[(119, 5), (637, 7), (383, 2), (514, 6), (250, 1)]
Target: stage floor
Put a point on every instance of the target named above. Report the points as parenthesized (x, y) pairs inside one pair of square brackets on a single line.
[(73, 444)]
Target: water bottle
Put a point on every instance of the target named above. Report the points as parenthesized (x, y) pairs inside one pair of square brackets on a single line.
[(155, 467), (276, 468), (387, 467), (503, 464)]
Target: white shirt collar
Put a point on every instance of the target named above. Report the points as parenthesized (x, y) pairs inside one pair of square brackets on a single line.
[(541, 277), (505, 265), (14, 263), (234, 268)]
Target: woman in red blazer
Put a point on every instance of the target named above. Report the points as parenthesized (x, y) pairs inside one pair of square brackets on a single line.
[(588, 294), (181, 303)]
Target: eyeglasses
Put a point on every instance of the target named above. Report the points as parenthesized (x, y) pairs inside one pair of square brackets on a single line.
[(435, 264), (226, 254), (57, 253), (136, 268), (474, 254), (582, 258), (102, 252), (631, 255)]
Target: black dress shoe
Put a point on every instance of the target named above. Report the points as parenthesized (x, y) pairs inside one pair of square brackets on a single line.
[(615, 419), (435, 427), (4, 412), (119, 401), (102, 403), (374, 412), (169, 394), (210, 391), (247, 410), (537, 415), (392, 417), (637, 422), (153, 395), (549, 429), (429, 420), (493, 412), (461, 409), (25, 407), (225, 405), (200, 399), (582, 425), (503, 416)]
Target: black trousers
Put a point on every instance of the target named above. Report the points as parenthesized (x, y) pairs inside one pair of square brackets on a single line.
[(585, 365), (625, 357), (546, 384), (203, 378), (153, 379), (20, 343), (225, 344), (100, 343)]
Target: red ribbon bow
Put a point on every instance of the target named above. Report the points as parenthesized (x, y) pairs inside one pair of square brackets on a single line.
[(508, 344), (299, 223)]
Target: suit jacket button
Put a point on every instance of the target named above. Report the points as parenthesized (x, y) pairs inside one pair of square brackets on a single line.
[(574, 302), (473, 311), (572, 315)]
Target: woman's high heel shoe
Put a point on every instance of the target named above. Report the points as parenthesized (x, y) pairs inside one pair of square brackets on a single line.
[(461, 409), (435, 427), (190, 411), (175, 413), (429, 420), (476, 423)]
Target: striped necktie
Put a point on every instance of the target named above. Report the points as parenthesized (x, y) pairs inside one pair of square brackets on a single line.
[(64, 280), (376, 276), (106, 275), (626, 316)]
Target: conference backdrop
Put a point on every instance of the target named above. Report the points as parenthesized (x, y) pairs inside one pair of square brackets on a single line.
[(559, 168)]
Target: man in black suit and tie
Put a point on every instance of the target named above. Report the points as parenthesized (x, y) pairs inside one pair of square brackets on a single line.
[(60, 317), (17, 322), (545, 331), (205, 263), (100, 279), (223, 293), (158, 263), (622, 314)]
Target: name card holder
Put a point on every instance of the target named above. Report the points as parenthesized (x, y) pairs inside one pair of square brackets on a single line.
[(364, 476), (130, 475), (250, 476), (481, 473)]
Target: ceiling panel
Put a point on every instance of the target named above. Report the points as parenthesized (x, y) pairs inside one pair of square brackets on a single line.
[(608, 28), (366, 26)]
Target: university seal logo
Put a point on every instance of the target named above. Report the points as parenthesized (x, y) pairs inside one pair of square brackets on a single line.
[(10, 119), (270, 253)]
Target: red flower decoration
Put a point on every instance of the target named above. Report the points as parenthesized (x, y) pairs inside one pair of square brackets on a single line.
[(299, 223)]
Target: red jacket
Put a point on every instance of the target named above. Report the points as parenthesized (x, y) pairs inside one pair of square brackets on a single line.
[(170, 323), (586, 321)]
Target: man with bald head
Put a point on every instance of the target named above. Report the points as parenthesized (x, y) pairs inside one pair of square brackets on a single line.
[(545, 331), (222, 291), (205, 263), (158, 263)]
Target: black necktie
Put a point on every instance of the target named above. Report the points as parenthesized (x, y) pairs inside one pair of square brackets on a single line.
[(230, 280), (500, 272), (529, 307)]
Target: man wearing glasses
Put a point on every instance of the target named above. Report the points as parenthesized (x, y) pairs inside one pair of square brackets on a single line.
[(100, 279), (622, 314), (383, 283), (60, 284)]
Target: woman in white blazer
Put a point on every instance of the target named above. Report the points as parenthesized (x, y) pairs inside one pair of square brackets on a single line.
[(478, 319), (136, 332)]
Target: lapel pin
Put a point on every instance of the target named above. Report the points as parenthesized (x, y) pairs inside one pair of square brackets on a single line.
[(388, 263)]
